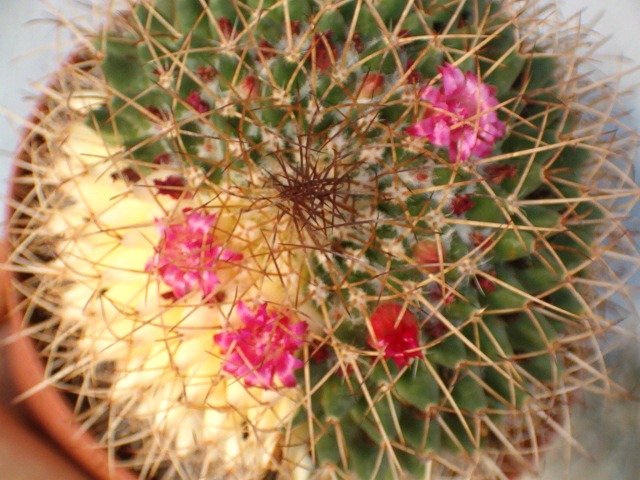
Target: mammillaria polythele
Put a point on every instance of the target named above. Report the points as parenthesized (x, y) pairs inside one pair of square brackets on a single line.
[(324, 239)]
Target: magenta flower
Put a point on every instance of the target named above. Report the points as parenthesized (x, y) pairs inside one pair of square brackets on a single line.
[(395, 335), (187, 255), (462, 115), (263, 348)]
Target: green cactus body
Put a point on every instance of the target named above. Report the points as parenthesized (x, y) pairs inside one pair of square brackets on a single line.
[(284, 124)]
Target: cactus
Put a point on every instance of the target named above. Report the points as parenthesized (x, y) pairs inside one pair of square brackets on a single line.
[(324, 239)]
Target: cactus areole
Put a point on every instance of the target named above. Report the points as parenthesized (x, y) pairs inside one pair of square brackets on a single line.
[(322, 239)]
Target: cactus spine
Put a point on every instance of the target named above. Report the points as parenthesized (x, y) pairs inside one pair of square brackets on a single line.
[(324, 238)]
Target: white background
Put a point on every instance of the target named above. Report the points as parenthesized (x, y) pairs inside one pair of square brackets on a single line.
[(31, 48)]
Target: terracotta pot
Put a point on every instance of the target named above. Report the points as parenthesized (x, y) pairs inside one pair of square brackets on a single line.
[(23, 454)]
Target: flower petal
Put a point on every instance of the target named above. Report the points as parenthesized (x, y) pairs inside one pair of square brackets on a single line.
[(263, 348), (462, 117)]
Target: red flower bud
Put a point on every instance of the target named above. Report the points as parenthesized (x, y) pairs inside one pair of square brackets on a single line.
[(499, 172), (438, 295), (173, 185), (477, 240), (358, 44), (206, 74), (266, 49), (461, 203), (435, 329), (163, 159), (197, 103), (372, 86), (414, 77), (128, 174), (226, 28), (486, 285), (323, 53), (426, 255), (295, 27), (248, 87)]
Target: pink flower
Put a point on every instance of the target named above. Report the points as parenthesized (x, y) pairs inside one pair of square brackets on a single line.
[(263, 348), (395, 333), (187, 255), (462, 115)]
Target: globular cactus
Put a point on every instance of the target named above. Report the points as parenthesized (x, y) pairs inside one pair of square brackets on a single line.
[(324, 239)]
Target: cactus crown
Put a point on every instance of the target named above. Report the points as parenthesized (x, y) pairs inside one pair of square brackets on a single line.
[(326, 236)]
